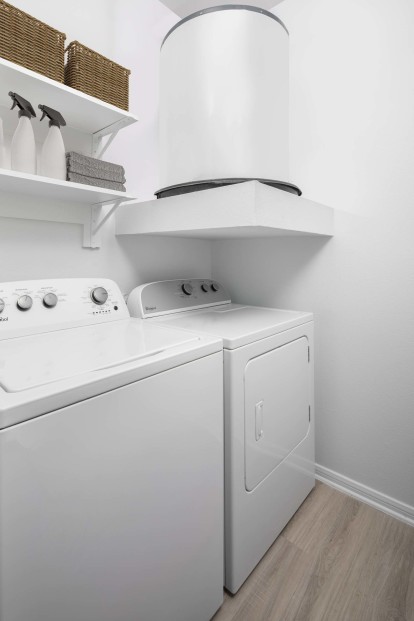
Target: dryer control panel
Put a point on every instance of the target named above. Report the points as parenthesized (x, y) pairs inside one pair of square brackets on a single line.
[(172, 296), (34, 306)]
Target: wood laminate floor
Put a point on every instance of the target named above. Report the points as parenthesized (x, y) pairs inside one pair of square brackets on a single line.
[(336, 560)]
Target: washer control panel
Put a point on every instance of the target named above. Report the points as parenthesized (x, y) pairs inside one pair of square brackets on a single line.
[(172, 296), (30, 307)]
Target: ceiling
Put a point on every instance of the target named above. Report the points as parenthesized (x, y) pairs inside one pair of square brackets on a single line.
[(182, 8)]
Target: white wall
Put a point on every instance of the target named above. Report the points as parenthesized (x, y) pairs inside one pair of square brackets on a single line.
[(352, 131), (131, 33), (139, 29)]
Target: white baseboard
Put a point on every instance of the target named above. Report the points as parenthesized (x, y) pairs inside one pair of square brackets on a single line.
[(366, 494)]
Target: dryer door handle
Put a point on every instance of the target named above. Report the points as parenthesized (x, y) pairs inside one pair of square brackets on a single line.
[(259, 420)]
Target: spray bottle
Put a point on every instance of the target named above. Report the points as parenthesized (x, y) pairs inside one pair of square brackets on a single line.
[(2, 147), (23, 146), (53, 155)]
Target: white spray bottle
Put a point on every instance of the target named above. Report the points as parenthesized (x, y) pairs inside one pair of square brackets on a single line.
[(23, 146), (53, 154), (3, 162)]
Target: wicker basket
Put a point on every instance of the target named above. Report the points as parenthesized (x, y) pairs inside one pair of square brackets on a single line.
[(96, 75), (28, 42)]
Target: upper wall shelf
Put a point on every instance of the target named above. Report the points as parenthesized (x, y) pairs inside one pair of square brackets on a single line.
[(249, 209), (81, 111)]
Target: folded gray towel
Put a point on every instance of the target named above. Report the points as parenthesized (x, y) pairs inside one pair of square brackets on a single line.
[(96, 173), (92, 167), (99, 183)]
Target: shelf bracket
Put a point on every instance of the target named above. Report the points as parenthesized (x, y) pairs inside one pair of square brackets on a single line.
[(99, 146), (94, 224)]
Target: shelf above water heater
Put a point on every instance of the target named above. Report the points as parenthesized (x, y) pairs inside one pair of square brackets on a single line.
[(244, 210)]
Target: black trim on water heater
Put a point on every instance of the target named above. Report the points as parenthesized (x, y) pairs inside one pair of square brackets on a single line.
[(225, 7), (197, 186)]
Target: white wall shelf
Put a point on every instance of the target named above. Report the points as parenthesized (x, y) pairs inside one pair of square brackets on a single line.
[(249, 209), (52, 191), (81, 112)]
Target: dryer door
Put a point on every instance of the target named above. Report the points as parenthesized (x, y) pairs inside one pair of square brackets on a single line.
[(276, 408)]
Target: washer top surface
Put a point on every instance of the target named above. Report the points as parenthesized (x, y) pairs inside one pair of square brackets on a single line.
[(237, 325), (66, 340), (33, 361)]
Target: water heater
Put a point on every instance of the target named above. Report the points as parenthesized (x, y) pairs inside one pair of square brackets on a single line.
[(224, 101)]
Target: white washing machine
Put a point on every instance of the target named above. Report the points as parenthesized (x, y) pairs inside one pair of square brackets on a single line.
[(111, 460), (268, 406)]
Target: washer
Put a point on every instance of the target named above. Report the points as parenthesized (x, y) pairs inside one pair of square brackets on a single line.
[(268, 406), (111, 460)]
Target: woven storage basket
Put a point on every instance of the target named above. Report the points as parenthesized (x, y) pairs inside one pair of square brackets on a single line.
[(28, 42), (96, 75)]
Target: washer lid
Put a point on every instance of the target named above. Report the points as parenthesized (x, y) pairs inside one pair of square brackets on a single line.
[(236, 324), (33, 361)]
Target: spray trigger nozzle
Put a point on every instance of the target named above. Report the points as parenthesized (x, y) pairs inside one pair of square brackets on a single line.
[(25, 107), (54, 116)]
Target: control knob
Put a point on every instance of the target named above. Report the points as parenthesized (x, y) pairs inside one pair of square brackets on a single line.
[(99, 295), (24, 302), (215, 287), (2, 305), (187, 288), (204, 287), (50, 300)]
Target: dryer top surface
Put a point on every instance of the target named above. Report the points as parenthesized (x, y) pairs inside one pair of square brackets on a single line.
[(237, 324)]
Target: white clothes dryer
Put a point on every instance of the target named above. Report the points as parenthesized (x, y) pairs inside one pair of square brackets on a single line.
[(268, 407), (111, 491)]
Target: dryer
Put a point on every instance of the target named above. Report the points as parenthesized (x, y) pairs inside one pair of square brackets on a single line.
[(111, 460), (268, 407)]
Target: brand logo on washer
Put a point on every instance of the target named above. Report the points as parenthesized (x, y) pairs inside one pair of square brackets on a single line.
[(4, 319), (150, 308)]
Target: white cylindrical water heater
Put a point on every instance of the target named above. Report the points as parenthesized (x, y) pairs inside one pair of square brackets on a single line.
[(224, 101)]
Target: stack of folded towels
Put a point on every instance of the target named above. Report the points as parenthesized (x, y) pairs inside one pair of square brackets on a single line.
[(91, 171)]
